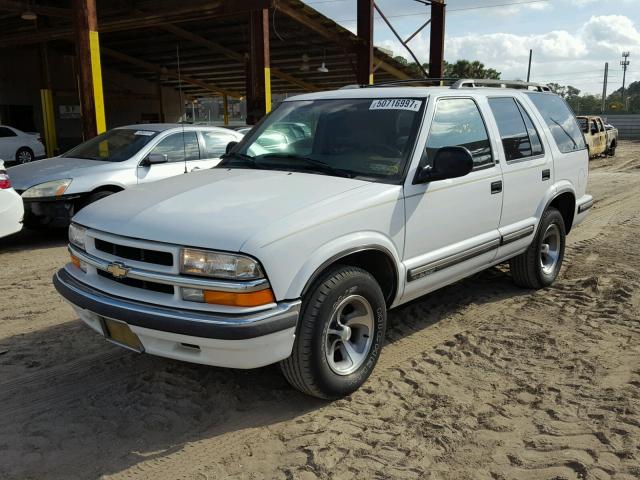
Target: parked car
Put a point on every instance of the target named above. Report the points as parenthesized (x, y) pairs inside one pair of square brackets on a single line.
[(11, 209), (18, 146), (600, 140), (54, 189), (296, 256)]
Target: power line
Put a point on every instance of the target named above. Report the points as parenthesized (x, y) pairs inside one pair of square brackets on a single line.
[(412, 14)]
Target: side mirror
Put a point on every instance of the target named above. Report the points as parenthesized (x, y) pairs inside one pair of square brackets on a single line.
[(230, 146), (155, 158), (449, 162)]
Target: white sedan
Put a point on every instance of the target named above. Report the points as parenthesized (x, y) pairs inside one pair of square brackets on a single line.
[(11, 206), (18, 146)]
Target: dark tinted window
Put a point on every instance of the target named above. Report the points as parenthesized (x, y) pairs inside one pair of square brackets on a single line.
[(534, 137), (560, 120), (215, 143), (513, 132), (7, 132), (457, 122), (175, 147)]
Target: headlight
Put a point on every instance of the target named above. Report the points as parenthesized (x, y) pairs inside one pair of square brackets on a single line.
[(219, 265), (54, 188), (77, 235)]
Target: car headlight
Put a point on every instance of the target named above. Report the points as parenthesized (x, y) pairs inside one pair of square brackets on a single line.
[(55, 188), (77, 235), (219, 265)]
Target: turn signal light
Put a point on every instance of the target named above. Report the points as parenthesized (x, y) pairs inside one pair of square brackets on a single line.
[(249, 299), (77, 263)]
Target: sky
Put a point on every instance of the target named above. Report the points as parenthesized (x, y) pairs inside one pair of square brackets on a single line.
[(571, 39)]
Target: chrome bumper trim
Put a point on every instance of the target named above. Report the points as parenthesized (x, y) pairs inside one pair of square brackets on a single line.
[(171, 279)]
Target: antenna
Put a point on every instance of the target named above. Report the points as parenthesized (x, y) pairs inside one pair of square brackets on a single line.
[(184, 143)]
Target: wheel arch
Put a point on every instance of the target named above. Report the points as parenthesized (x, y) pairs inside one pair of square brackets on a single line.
[(108, 188), (565, 203), (375, 259)]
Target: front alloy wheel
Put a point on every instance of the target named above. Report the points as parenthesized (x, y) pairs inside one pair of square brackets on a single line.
[(340, 334)]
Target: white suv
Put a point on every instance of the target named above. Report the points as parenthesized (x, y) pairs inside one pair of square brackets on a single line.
[(294, 252)]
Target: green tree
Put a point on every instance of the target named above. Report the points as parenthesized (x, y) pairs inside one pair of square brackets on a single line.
[(470, 69)]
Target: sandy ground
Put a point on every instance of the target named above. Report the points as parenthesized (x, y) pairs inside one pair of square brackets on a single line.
[(481, 380)]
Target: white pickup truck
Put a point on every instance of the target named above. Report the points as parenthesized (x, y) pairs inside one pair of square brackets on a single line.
[(294, 254)]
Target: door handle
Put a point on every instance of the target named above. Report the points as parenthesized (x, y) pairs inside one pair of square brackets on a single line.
[(496, 187), (546, 174)]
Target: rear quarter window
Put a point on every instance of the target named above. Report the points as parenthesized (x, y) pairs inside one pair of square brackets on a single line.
[(560, 120)]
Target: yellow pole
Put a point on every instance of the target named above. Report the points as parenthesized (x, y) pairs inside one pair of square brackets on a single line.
[(96, 73), (267, 89)]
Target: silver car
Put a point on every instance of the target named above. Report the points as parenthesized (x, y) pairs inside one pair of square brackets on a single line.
[(54, 189)]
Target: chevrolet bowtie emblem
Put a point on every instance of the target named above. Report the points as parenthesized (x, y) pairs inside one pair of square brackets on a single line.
[(118, 269)]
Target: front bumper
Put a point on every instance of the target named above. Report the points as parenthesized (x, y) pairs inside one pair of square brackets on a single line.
[(53, 212), (238, 341)]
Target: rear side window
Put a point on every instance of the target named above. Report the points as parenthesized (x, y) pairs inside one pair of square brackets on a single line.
[(7, 132), (519, 137), (560, 121), (215, 143), (179, 147), (457, 122)]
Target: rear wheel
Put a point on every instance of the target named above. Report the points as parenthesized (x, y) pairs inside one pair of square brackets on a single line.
[(24, 155), (340, 334), (539, 266)]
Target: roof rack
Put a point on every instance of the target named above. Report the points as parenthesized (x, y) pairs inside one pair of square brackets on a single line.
[(458, 83), (517, 84)]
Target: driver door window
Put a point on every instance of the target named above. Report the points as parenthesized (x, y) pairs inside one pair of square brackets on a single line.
[(458, 122)]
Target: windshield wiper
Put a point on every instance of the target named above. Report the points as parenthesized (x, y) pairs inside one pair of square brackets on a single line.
[(317, 165)]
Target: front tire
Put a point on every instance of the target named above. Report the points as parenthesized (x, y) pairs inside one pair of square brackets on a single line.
[(612, 150), (24, 155), (540, 265), (340, 334)]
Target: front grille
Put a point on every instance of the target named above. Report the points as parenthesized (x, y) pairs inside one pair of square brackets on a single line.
[(134, 253), (135, 283)]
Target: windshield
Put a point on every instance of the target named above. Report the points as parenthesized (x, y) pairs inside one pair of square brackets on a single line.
[(113, 146), (369, 139)]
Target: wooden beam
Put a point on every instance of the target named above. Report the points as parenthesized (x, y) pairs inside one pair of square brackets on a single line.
[(298, 15), (170, 73), (364, 61), (199, 11), (436, 48), (88, 53), (238, 57)]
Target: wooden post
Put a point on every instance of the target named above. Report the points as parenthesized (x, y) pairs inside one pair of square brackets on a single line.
[(364, 51), (258, 68), (436, 49), (88, 52), (161, 115), (225, 106)]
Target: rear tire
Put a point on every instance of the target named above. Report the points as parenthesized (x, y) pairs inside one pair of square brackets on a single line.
[(540, 265), (339, 336), (24, 155)]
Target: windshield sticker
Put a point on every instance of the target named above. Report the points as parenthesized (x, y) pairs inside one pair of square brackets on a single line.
[(146, 133), (396, 104)]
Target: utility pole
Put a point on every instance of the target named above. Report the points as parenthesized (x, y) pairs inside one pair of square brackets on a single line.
[(604, 87), (529, 70), (625, 64)]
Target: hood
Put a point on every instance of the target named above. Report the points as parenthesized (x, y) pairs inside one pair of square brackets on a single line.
[(34, 173), (216, 209)]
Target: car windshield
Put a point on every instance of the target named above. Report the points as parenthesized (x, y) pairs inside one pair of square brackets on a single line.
[(583, 123), (113, 146), (369, 139)]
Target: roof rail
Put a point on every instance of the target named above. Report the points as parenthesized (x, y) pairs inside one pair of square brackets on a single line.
[(458, 83), (517, 84)]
